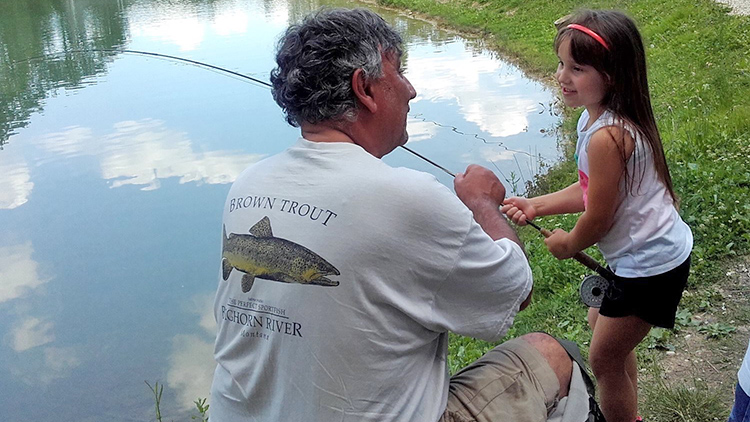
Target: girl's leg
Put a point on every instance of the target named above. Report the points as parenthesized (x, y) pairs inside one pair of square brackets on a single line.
[(631, 363), (592, 316), (612, 359), (631, 367)]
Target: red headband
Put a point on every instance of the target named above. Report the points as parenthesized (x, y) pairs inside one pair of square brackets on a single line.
[(590, 33)]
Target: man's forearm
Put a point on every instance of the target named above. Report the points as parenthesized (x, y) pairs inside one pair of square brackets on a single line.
[(493, 222)]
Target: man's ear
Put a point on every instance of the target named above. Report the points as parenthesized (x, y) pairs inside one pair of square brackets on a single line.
[(362, 90)]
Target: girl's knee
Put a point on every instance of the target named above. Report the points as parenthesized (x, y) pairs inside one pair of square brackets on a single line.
[(604, 361), (602, 364)]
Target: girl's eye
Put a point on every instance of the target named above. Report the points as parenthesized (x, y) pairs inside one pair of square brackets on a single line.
[(578, 69)]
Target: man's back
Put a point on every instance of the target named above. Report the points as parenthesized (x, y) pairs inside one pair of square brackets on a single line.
[(354, 272)]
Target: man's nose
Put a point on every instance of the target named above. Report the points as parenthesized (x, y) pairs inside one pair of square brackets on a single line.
[(412, 91)]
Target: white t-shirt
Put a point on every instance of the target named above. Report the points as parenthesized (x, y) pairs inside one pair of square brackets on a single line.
[(647, 237), (398, 261)]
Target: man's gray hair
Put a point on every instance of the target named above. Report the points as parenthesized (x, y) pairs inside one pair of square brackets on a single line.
[(317, 58)]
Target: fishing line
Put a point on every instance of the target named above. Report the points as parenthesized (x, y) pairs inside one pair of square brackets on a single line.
[(260, 82), (150, 54), (476, 136)]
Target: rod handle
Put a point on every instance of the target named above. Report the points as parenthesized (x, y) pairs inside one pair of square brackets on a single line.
[(585, 259)]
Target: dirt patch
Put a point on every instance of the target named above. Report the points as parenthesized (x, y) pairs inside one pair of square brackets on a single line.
[(713, 361)]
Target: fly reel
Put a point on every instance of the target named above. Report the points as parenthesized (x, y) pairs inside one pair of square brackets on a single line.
[(592, 290)]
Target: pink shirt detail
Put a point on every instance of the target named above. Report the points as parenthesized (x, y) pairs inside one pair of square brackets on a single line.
[(583, 180)]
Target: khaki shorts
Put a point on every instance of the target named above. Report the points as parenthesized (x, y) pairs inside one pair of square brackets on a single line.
[(511, 382)]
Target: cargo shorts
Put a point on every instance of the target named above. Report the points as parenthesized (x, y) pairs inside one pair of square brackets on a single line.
[(511, 382)]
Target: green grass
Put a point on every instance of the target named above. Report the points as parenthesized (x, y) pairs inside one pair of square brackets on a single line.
[(699, 75), (693, 402)]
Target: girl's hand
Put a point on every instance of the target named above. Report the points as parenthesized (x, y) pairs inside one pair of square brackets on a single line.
[(518, 210), (559, 245)]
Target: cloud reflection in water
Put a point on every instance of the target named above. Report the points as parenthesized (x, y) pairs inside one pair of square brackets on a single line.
[(18, 271), (493, 103), (15, 183), (36, 365), (142, 152), (191, 363), (31, 333)]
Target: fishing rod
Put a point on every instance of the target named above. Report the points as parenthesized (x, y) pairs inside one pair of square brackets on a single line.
[(592, 288), (580, 256), (149, 54)]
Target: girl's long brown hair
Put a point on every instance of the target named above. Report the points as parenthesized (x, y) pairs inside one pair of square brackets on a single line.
[(624, 68)]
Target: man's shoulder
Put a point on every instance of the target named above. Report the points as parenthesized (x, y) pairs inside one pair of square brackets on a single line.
[(409, 182)]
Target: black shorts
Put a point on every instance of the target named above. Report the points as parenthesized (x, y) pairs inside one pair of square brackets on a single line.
[(653, 299)]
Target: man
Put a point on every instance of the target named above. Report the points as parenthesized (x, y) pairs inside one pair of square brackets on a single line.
[(342, 276)]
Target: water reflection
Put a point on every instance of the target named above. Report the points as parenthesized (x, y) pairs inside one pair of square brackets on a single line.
[(181, 29), (15, 183), (42, 367), (19, 272), (31, 29), (439, 76), (31, 333), (190, 363), (146, 151), (114, 169)]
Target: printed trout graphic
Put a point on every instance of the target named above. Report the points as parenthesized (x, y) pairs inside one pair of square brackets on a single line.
[(261, 255)]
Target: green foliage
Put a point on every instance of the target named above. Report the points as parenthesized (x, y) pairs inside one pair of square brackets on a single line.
[(717, 330), (658, 338), (202, 406), (157, 390), (684, 318)]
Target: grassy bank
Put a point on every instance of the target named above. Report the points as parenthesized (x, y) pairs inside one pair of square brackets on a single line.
[(699, 74)]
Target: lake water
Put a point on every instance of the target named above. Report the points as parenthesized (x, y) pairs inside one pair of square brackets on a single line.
[(114, 168)]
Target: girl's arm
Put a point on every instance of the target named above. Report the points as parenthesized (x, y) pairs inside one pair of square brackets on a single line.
[(606, 167), (565, 201)]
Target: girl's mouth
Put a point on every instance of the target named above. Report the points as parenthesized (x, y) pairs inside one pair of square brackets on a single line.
[(567, 91)]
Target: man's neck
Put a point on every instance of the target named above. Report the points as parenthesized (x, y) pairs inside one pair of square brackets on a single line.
[(324, 133)]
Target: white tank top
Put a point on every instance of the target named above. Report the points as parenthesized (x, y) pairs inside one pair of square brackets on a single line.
[(648, 237)]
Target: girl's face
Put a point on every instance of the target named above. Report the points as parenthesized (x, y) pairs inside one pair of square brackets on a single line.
[(582, 85)]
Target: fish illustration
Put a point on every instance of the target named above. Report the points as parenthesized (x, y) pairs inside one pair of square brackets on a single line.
[(260, 254)]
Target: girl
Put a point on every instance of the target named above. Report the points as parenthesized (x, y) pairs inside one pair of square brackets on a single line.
[(625, 193)]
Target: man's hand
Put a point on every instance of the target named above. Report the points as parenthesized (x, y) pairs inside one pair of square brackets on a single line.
[(482, 192), (479, 186)]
